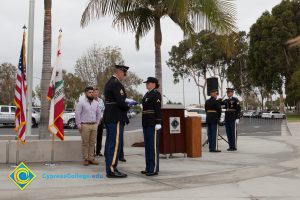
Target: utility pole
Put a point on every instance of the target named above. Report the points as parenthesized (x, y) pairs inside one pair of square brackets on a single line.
[(29, 70)]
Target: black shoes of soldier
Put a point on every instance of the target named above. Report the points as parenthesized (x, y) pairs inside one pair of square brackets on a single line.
[(116, 174), (122, 159), (151, 173), (232, 149), (215, 151)]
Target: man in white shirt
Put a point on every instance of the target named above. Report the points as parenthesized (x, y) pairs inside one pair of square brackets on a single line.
[(100, 126)]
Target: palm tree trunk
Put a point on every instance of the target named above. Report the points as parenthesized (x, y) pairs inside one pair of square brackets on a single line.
[(298, 108), (157, 42), (46, 71)]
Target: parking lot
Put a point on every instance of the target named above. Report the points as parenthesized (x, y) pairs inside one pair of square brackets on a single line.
[(247, 127)]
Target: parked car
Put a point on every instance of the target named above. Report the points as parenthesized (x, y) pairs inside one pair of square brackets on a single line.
[(69, 119), (7, 116), (256, 114), (199, 112), (248, 113), (273, 115)]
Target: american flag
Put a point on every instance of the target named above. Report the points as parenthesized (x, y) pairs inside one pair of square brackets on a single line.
[(20, 94)]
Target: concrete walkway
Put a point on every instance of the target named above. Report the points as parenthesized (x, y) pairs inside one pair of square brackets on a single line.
[(263, 168), (294, 128)]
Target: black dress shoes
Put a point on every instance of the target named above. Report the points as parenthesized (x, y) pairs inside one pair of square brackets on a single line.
[(116, 174), (151, 173), (215, 151), (122, 159), (144, 172), (232, 149)]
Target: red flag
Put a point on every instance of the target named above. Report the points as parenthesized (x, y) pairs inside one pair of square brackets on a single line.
[(20, 95), (56, 96)]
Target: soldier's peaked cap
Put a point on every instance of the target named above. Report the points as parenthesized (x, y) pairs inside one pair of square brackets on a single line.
[(122, 67), (151, 80), (230, 89), (213, 90)]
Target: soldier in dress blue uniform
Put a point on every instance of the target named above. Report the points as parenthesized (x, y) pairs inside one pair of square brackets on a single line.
[(232, 116), (151, 121), (213, 113), (115, 118)]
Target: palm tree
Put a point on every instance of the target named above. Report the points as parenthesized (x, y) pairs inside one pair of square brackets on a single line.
[(46, 70), (140, 16)]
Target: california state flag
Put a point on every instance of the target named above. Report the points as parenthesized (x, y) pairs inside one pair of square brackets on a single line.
[(56, 96)]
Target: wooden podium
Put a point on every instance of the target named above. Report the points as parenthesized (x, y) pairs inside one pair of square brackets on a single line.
[(193, 133), (172, 137)]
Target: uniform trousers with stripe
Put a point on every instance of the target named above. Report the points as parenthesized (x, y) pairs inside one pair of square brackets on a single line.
[(212, 134), (231, 134), (113, 145), (151, 140)]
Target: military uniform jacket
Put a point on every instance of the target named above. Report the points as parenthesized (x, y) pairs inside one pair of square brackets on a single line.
[(233, 109), (213, 110), (151, 108), (115, 106)]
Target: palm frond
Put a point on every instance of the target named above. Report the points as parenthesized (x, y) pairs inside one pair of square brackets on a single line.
[(98, 8), (140, 21), (183, 22), (217, 15)]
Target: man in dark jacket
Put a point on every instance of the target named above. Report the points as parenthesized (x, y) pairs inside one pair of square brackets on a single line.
[(115, 118), (213, 113), (151, 121)]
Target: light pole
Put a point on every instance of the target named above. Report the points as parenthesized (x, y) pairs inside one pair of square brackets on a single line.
[(29, 70)]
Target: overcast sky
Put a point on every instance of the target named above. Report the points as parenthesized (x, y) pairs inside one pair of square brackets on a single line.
[(66, 14)]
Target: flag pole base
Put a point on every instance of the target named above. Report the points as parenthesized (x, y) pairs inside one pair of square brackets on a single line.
[(51, 164)]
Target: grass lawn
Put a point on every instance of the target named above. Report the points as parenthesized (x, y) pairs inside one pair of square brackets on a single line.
[(293, 118)]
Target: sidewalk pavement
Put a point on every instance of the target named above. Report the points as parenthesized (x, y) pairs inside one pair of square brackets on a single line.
[(263, 168), (294, 128)]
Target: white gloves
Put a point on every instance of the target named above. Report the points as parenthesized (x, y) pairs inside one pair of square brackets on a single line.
[(237, 121), (157, 127), (130, 102)]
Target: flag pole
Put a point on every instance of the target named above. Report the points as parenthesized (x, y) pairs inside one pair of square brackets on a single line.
[(51, 164), (17, 137), (29, 71), (18, 152), (52, 150), (52, 92)]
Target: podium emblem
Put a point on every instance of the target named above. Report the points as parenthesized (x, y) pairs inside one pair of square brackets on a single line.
[(175, 125)]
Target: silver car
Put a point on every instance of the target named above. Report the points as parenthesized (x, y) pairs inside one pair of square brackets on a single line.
[(7, 116)]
